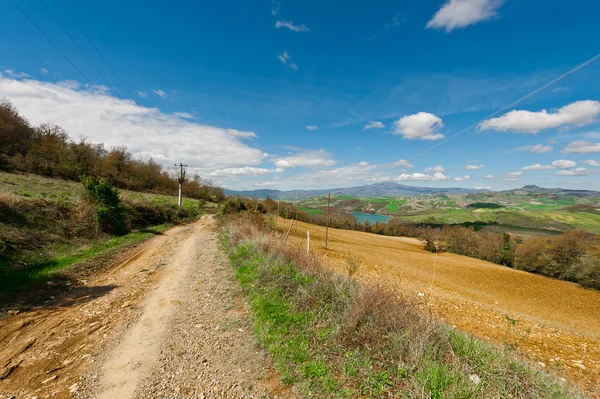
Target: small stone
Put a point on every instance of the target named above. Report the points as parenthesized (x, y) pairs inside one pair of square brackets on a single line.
[(475, 379)]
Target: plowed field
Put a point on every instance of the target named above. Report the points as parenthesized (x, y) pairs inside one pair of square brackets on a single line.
[(553, 323)]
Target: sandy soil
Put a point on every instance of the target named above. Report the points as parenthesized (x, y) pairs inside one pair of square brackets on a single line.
[(167, 321), (558, 323)]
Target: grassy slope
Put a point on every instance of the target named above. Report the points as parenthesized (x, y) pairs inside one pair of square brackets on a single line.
[(42, 264), (332, 338)]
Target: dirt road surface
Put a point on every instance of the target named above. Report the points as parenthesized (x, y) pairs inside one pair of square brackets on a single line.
[(557, 323), (167, 321)]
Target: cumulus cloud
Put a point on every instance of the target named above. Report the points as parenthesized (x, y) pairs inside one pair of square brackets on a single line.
[(423, 125), (437, 168), (17, 75), (537, 149), (590, 162), (187, 115), (564, 164), (311, 128), (579, 113), (474, 167), (160, 93), (374, 125), (243, 171), (455, 14), (147, 132), (581, 147), (306, 158), (422, 177), (282, 23), (464, 178), (574, 172), (489, 177), (285, 58), (402, 162), (537, 166)]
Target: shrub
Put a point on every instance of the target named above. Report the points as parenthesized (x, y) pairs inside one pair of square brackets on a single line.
[(109, 210)]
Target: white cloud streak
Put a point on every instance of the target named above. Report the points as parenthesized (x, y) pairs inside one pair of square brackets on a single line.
[(306, 158), (536, 149), (311, 128), (160, 93), (474, 167), (456, 14), (374, 125), (581, 147), (579, 113), (282, 23), (537, 166), (402, 163), (437, 168), (564, 164), (422, 177)]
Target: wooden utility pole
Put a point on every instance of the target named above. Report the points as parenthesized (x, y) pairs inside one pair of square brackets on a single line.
[(181, 179), (327, 224)]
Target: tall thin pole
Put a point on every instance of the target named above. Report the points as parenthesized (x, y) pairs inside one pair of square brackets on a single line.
[(181, 179), (327, 224)]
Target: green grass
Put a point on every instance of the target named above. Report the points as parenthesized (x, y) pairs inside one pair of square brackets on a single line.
[(311, 211), (302, 319), (42, 268), (393, 206)]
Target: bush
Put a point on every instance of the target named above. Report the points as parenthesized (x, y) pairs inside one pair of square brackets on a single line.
[(109, 210), (233, 205)]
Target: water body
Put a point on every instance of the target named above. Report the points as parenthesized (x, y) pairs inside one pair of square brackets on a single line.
[(371, 217)]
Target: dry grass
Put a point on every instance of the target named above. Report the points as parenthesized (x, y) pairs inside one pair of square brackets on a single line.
[(333, 337)]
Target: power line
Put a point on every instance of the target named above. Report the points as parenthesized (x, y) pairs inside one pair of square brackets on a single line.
[(68, 59), (525, 97)]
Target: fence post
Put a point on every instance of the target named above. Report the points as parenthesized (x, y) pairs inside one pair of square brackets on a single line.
[(307, 242)]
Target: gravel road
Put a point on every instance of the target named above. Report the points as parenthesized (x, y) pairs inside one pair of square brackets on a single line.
[(174, 324)]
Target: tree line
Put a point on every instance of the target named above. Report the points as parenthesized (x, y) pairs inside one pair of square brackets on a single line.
[(49, 151)]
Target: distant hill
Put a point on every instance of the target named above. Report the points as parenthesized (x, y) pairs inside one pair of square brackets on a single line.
[(533, 189), (385, 189)]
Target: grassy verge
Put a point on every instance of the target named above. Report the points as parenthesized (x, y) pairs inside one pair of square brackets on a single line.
[(41, 268), (331, 337)]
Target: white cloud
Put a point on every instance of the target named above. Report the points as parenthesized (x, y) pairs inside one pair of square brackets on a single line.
[(482, 187), (423, 125), (464, 178), (306, 158), (591, 162), (564, 164), (456, 14), (582, 147), (537, 166), (311, 128), (402, 162), (489, 177), (284, 58), (512, 176), (17, 75), (282, 23), (537, 149), (437, 168), (374, 125), (422, 177), (142, 94), (579, 113), (243, 171), (275, 7), (160, 93), (241, 134), (43, 71), (185, 115), (363, 163), (92, 112), (574, 172), (474, 167)]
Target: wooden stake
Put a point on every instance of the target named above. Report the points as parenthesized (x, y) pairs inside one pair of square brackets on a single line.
[(307, 242), (327, 224), (288, 232)]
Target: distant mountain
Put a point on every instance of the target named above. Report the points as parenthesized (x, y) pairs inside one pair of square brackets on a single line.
[(386, 189), (533, 189)]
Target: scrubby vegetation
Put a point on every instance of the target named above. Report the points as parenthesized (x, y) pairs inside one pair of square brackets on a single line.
[(331, 337)]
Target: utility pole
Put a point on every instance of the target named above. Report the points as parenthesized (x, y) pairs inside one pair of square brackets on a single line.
[(327, 224), (181, 179)]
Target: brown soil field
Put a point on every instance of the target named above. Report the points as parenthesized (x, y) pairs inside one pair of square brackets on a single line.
[(557, 323)]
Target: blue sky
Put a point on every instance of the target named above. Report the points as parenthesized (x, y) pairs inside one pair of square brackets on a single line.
[(307, 94)]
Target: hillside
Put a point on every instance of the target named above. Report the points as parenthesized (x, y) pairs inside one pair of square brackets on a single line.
[(385, 189)]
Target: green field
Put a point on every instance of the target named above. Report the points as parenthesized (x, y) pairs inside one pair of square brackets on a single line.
[(515, 211)]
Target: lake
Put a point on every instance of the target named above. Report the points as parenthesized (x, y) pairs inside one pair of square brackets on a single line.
[(372, 218)]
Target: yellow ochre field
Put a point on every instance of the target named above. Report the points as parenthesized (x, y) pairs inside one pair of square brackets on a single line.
[(553, 323)]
